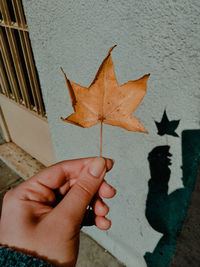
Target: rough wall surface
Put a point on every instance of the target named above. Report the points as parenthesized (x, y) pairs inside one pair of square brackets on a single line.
[(157, 37)]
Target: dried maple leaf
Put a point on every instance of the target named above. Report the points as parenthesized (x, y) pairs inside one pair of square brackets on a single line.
[(105, 101)]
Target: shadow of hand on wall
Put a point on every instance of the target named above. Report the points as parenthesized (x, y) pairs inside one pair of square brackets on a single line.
[(166, 212)]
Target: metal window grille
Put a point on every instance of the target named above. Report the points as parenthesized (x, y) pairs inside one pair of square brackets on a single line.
[(19, 79)]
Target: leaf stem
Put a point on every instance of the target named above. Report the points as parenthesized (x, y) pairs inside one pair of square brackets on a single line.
[(101, 137)]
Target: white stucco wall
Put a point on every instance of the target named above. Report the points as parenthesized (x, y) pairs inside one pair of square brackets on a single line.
[(157, 37)]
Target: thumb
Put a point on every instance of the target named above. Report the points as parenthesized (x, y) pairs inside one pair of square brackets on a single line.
[(74, 204)]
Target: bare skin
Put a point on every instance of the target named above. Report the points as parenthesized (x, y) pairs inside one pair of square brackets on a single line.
[(31, 222)]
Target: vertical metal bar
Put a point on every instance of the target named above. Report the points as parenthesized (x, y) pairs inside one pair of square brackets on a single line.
[(36, 93), (34, 74), (15, 55), (9, 68), (4, 82), (16, 14), (25, 53), (2, 85), (4, 127), (21, 12), (1, 90)]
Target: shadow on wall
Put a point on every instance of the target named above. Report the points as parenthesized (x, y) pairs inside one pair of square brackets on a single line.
[(166, 212)]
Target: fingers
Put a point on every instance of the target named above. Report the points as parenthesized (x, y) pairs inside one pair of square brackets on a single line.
[(60, 176), (96, 215), (100, 207), (64, 188), (106, 190), (78, 181), (55, 176), (102, 223), (75, 202), (30, 190)]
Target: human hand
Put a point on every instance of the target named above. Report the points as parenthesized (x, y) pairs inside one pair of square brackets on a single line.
[(30, 221)]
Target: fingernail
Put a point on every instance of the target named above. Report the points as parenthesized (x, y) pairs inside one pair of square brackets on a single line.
[(97, 166)]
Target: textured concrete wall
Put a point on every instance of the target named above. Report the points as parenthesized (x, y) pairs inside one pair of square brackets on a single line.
[(160, 37)]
